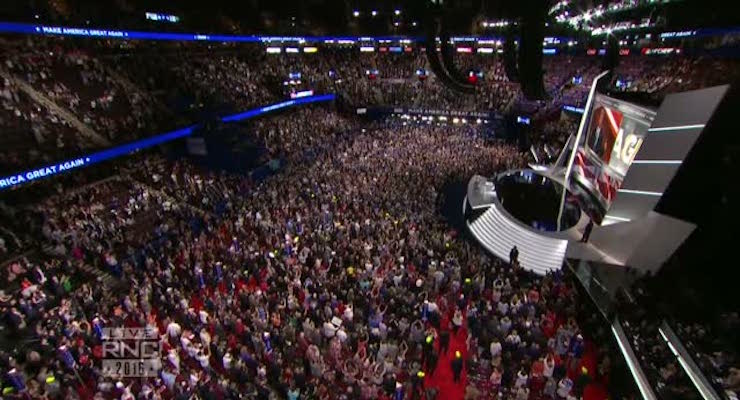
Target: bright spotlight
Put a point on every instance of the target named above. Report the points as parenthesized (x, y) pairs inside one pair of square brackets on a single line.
[(397, 12), (374, 13), (356, 13)]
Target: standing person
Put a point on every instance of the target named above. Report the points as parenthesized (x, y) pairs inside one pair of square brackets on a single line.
[(457, 320), (581, 382), (587, 231), (457, 366), (444, 342), (564, 387), (432, 363), (495, 348), (398, 394), (514, 255), (417, 385), (428, 347)]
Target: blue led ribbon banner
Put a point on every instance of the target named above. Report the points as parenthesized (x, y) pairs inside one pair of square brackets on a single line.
[(431, 112), (20, 178), (277, 106), (32, 29), (574, 109), (84, 161), (55, 30)]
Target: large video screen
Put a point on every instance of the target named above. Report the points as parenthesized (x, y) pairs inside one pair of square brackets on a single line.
[(614, 132)]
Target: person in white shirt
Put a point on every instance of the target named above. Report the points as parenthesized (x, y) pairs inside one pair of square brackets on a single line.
[(521, 378), (513, 338), (342, 335), (457, 320), (174, 329), (433, 308), (127, 395), (205, 338), (168, 378), (329, 329), (439, 276), (203, 359), (184, 342), (549, 366), (174, 359), (495, 348), (564, 387), (348, 314), (192, 349)]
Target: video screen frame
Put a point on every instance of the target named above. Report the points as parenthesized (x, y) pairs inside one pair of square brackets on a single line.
[(612, 137)]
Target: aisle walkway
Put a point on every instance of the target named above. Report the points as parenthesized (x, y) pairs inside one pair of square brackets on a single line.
[(442, 379), (596, 390)]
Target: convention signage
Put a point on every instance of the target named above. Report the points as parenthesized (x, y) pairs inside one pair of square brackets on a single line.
[(446, 113), (37, 29), (574, 109)]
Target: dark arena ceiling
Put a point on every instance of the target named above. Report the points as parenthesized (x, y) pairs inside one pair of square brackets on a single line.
[(365, 17)]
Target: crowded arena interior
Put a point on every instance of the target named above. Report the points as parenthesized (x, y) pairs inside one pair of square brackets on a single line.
[(343, 199)]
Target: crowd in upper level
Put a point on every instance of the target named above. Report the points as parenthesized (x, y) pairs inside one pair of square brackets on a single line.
[(63, 96)]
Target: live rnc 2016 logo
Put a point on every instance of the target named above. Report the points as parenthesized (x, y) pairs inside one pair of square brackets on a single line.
[(131, 352)]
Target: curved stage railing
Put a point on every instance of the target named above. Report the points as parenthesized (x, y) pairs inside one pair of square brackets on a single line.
[(498, 234)]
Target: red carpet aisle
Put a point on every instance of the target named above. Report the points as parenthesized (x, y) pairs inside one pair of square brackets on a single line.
[(442, 379), (596, 390)]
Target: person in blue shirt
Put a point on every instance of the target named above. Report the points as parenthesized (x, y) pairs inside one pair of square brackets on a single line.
[(294, 393)]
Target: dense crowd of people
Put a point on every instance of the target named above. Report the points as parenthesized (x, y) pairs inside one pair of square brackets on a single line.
[(32, 133), (708, 336), (661, 366), (673, 74), (336, 278)]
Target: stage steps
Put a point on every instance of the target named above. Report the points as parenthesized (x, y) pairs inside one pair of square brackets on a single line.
[(537, 253)]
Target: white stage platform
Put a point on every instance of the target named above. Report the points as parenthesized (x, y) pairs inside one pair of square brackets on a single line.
[(498, 233)]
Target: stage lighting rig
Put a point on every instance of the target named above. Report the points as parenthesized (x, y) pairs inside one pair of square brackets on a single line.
[(444, 67), (523, 59)]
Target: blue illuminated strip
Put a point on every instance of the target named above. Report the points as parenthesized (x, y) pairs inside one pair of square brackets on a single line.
[(84, 161), (578, 110), (12, 27), (277, 106), (20, 178)]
